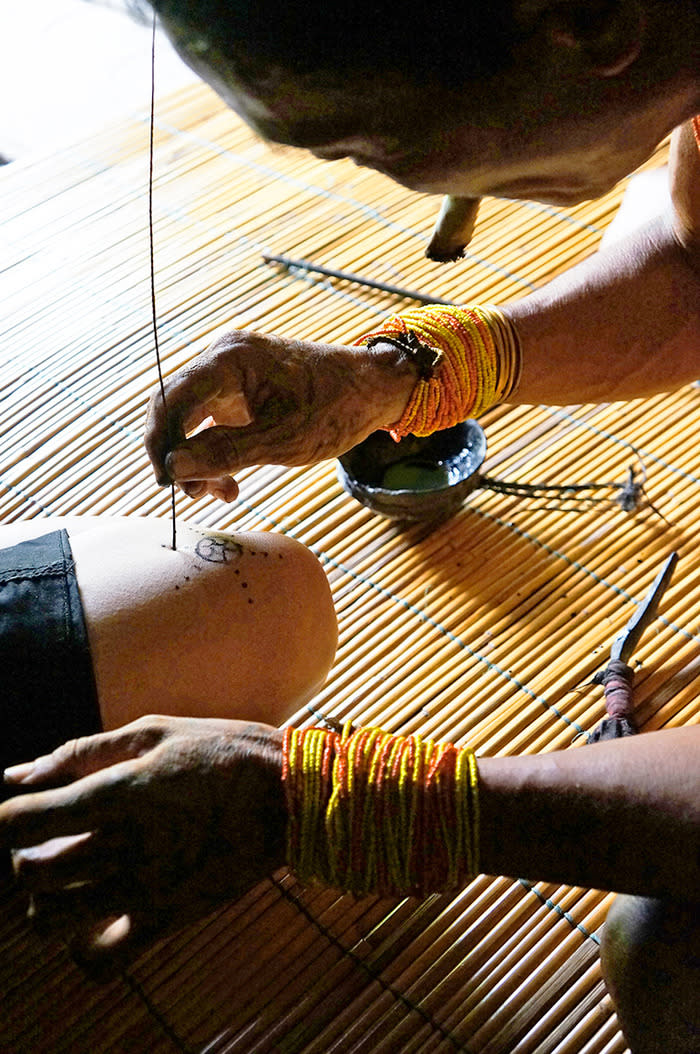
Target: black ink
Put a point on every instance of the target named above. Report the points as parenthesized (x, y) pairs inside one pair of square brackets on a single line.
[(218, 550)]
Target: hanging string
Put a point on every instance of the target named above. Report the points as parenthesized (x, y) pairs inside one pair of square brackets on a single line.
[(150, 239)]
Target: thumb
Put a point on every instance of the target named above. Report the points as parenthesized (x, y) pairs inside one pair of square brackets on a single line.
[(209, 454)]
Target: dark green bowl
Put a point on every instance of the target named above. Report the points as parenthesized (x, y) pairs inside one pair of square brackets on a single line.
[(415, 479)]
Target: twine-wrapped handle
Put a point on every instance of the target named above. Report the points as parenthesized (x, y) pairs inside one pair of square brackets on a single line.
[(618, 683)]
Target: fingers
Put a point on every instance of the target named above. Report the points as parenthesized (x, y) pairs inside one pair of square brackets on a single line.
[(202, 464), (88, 754), (69, 861), (207, 455), (81, 806), (106, 948), (187, 394), (225, 488), (68, 911)]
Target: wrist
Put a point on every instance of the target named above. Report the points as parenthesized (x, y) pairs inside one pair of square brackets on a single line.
[(392, 375), (260, 770), (463, 360), (372, 812)]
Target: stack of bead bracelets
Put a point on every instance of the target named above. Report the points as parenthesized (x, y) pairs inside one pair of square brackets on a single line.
[(372, 812), (475, 363)]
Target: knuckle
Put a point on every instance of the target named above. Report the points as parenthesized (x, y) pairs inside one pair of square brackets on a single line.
[(69, 753), (149, 730), (21, 865), (226, 446)]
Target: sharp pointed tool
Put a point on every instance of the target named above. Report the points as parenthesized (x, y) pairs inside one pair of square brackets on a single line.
[(618, 677)]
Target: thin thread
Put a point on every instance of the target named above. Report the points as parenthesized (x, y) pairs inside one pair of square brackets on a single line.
[(150, 242)]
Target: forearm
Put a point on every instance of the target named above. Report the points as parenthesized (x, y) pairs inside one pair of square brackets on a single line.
[(622, 815), (625, 323)]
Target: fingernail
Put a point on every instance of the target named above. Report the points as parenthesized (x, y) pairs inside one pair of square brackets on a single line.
[(16, 773), (179, 463)]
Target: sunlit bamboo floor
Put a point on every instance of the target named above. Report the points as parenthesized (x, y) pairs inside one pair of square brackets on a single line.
[(482, 629)]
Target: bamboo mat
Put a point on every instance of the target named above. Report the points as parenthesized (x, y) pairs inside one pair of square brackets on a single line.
[(482, 629)]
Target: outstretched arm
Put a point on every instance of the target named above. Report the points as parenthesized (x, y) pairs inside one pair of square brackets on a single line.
[(623, 324), (626, 322), (621, 815)]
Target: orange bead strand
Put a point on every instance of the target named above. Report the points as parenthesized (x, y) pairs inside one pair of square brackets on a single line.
[(372, 812), (477, 362)]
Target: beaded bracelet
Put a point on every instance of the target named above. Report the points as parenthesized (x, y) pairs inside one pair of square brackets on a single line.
[(468, 358), (372, 812)]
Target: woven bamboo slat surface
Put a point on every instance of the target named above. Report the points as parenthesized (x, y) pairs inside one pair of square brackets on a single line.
[(482, 629)]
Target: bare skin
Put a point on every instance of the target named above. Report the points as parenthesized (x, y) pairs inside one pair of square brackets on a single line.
[(270, 400), (649, 956), (619, 815), (631, 315), (588, 109), (135, 878), (227, 624), (106, 873)]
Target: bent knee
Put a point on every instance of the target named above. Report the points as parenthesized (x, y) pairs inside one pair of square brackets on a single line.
[(651, 966), (305, 626), (225, 626)]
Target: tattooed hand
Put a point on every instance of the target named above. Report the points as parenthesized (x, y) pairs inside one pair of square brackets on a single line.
[(146, 828), (267, 400)]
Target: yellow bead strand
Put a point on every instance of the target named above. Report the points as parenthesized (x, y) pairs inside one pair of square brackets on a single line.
[(371, 812), (477, 362)]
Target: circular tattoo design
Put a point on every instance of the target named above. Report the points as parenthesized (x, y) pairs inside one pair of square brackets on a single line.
[(218, 550)]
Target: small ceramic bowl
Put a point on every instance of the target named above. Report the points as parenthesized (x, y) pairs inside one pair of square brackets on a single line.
[(415, 479)]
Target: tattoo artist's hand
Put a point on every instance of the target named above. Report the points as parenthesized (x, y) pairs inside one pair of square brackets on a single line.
[(145, 828), (257, 399)]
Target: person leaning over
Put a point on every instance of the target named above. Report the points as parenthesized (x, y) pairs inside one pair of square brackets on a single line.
[(539, 99)]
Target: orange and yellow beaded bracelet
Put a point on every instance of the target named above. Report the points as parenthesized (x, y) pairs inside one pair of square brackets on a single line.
[(372, 812), (468, 358)]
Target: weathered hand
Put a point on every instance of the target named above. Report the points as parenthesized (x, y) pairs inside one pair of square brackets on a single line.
[(257, 399), (156, 824)]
